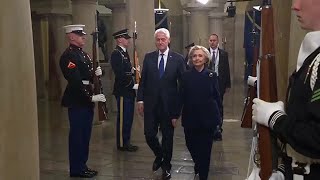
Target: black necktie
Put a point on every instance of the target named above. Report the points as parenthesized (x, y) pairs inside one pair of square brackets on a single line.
[(161, 66), (213, 60)]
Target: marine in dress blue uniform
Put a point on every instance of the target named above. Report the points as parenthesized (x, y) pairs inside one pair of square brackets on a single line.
[(78, 97), (123, 90)]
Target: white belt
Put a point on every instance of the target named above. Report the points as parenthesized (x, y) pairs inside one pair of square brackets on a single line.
[(297, 177), (85, 82)]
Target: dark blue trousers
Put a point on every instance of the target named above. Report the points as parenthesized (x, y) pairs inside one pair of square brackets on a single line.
[(124, 119), (80, 121), (199, 142)]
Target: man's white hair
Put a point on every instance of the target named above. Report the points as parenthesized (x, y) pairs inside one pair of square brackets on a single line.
[(163, 30)]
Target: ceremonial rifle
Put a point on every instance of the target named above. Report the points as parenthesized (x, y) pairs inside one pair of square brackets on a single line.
[(135, 56), (246, 119), (102, 107), (267, 85)]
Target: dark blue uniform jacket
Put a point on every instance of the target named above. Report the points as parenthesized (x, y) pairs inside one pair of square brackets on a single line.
[(121, 67), (76, 67)]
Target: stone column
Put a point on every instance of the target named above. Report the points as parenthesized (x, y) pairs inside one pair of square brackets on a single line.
[(84, 12), (215, 19), (48, 18), (199, 29), (199, 20), (119, 21), (19, 147), (185, 27), (57, 45), (119, 16), (215, 24), (142, 12)]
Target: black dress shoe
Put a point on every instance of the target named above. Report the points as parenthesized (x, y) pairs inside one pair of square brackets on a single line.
[(94, 172), (83, 174), (129, 148), (157, 163), (196, 177), (166, 175), (133, 147)]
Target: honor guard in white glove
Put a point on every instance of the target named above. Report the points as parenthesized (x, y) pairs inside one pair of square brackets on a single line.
[(98, 98), (251, 81), (135, 69), (277, 176), (135, 86), (262, 110), (98, 71)]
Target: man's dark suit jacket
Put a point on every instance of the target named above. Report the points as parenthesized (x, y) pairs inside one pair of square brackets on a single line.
[(152, 88), (223, 71)]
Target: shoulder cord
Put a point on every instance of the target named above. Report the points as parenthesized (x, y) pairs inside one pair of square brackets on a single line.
[(314, 73), (122, 56)]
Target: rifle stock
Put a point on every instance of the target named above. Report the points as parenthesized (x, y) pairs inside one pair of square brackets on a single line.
[(102, 107), (137, 74), (267, 87), (246, 118)]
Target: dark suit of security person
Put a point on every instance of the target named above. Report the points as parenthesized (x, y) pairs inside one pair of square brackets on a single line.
[(158, 99), (220, 65), (123, 90), (76, 66)]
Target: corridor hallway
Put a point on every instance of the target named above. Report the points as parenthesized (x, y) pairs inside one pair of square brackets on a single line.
[(229, 158)]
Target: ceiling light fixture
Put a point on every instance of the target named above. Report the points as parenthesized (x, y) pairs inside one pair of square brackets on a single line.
[(203, 1)]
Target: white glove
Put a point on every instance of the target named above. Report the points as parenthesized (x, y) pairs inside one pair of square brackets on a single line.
[(277, 176), (98, 71), (136, 69), (262, 110), (98, 98), (251, 80), (254, 174), (135, 86)]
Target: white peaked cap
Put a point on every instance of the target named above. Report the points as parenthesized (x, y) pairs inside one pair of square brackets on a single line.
[(75, 28)]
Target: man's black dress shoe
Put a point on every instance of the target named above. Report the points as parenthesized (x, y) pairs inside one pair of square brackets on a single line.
[(83, 174), (129, 147), (196, 177), (94, 172), (166, 175), (157, 163)]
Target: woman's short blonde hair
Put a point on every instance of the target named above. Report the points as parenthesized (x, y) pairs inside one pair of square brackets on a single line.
[(206, 54)]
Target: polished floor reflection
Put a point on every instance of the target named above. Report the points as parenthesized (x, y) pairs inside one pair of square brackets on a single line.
[(228, 161)]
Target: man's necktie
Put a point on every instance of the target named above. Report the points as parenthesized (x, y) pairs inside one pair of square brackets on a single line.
[(213, 60), (161, 66)]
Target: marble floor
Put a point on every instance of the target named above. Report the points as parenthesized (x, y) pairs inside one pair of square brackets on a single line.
[(229, 158)]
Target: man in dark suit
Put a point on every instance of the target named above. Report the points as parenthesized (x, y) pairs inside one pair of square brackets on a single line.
[(123, 90), (158, 99), (220, 65)]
